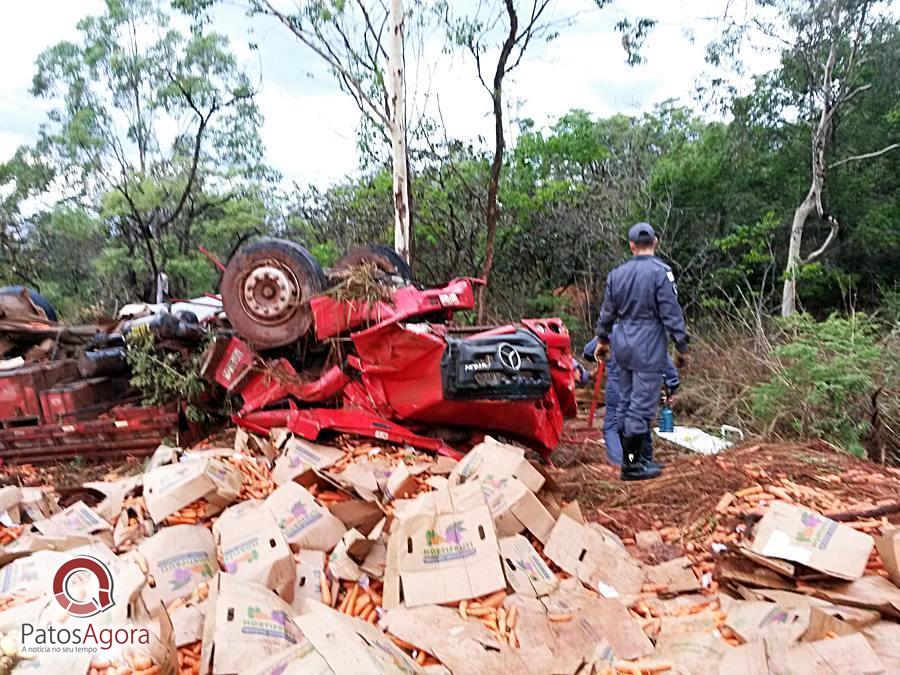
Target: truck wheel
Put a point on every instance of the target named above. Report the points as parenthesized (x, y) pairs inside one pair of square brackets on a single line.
[(383, 257), (38, 299), (266, 289)]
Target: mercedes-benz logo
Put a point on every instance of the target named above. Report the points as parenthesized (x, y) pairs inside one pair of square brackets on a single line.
[(509, 357)]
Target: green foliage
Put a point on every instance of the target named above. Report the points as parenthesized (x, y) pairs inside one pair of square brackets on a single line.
[(164, 375), (826, 374)]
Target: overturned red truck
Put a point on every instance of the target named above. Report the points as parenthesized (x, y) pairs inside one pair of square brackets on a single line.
[(387, 367)]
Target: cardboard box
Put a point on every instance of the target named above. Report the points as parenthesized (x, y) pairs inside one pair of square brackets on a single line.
[(76, 519), (767, 621), (493, 457), (300, 456), (792, 533), (179, 558), (308, 586), (595, 556), (253, 548), (171, 487), (113, 494), (37, 504), (187, 623), (10, 497), (748, 659), (883, 637), (526, 572), (245, 623), (848, 654), (443, 548), (303, 521), (348, 645), (400, 483), (464, 647), (694, 653), (352, 552), (677, 574), (888, 545), (514, 507), (870, 592)]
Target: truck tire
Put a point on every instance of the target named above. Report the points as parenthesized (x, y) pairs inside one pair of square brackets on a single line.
[(36, 298), (266, 289), (384, 257)]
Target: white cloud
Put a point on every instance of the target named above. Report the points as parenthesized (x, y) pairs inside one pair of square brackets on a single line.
[(310, 125)]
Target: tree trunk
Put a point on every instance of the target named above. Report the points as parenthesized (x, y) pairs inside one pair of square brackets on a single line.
[(789, 294), (492, 214), (397, 129)]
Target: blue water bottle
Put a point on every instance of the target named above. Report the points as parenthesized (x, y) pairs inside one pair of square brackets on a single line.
[(666, 416)]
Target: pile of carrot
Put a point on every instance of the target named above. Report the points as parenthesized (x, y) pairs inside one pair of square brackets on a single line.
[(257, 482), (189, 659), (191, 514), (135, 664), (198, 595), (489, 611), (10, 534)]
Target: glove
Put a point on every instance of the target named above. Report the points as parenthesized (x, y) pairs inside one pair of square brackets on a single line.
[(682, 360), (601, 351)]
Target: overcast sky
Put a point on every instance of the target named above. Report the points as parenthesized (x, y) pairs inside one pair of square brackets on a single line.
[(310, 125)]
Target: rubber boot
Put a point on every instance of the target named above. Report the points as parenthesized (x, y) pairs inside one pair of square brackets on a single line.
[(647, 453), (632, 467)]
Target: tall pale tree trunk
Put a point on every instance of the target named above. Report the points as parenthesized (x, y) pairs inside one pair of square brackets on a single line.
[(397, 129)]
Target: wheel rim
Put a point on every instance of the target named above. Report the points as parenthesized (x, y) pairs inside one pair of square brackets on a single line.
[(270, 293)]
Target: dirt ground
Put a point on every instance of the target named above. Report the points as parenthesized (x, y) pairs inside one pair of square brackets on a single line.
[(686, 495)]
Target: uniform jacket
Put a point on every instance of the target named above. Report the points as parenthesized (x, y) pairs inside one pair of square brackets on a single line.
[(642, 301)]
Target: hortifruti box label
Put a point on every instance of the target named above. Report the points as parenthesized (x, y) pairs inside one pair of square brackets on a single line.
[(179, 558), (443, 547)]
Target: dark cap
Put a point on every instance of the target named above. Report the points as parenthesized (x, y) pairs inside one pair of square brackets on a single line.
[(642, 233)]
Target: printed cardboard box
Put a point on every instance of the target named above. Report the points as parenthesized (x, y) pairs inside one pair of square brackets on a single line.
[(32, 575), (349, 645), (170, 488), (526, 572), (300, 456), (179, 558), (694, 653), (310, 565), (443, 548), (514, 507), (792, 533), (254, 549), (492, 456), (595, 556), (303, 521), (77, 519), (245, 623), (767, 621)]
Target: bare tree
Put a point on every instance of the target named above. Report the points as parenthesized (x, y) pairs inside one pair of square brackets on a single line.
[(825, 41), (363, 43), (478, 34)]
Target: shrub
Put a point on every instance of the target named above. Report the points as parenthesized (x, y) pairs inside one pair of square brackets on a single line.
[(825, 375)]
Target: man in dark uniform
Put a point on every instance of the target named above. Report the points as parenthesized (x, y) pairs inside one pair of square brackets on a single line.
[(641, 300)]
